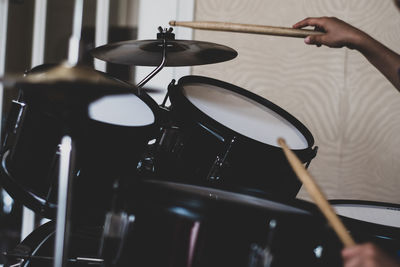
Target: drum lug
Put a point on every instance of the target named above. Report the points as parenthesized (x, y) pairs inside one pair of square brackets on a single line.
[(313, 154), (220, 162)]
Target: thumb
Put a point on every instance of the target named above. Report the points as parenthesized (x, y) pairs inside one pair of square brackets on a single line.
[(314, 39)]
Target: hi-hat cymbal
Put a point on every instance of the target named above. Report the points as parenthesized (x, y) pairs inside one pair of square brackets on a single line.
[(74, 78), (178, 53), (62, 85), (66, 77)]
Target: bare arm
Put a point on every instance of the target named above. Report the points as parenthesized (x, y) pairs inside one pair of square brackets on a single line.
[(338, 33)]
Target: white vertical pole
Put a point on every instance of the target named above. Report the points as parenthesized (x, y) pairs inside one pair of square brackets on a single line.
[(74, 41), (101, 36), (3, 44), (38, 44), (63, 202)]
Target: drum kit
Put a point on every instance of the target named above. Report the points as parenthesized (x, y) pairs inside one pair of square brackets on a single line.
[(201, 182)]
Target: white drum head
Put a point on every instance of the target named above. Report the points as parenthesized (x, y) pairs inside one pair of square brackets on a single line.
[(243, 115), (122, 110), (388, 216)]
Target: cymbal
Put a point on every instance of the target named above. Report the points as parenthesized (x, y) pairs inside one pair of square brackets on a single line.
[(75, 77), (149, 53), (66, 77), (65, 87)]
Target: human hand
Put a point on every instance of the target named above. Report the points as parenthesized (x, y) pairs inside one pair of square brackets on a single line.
[(367, 255), (335, 32)]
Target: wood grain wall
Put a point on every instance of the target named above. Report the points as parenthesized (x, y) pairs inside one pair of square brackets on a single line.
[(351, 110)]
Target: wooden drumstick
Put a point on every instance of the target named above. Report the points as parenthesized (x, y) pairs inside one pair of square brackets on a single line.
[(317, 195), (245, 28)]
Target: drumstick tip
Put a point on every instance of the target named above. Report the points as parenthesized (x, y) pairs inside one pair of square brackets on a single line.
[(172, 22), (281, 141)]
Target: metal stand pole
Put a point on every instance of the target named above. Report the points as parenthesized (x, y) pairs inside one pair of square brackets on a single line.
[(162, 64), (67, 159)]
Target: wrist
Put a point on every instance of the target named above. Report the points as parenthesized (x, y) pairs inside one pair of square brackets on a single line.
[(359, 41)]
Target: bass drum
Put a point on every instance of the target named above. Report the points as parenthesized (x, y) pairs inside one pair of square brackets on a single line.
[(109, 144), (224, 136), (184, 225), (369, 221)]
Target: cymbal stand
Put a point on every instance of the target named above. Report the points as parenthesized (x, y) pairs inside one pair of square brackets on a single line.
[(67, 158), (164, 34)]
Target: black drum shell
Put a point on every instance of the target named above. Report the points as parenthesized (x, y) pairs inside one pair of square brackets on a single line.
[(180, 228), (251, 166), (104, 153), (167, 219)]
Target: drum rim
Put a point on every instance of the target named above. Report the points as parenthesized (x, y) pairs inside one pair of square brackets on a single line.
[(365, 203), (176, 95), (377, 227), (167, 198), (24, 194)]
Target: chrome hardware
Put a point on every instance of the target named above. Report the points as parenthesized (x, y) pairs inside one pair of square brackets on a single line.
[(219, 163), (263, 257)]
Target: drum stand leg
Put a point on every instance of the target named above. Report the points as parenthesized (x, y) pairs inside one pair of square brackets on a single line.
[(67, 159)]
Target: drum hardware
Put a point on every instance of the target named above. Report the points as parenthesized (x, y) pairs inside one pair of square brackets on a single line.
[(113, 239), (163, 35), (262, 257), (313, 155), (220, 162), (63, 219)]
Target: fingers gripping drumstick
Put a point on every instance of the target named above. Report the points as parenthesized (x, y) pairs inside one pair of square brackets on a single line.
[(245, 28), (317, 195)]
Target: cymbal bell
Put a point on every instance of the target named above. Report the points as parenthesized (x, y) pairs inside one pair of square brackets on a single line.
[(178, 52)]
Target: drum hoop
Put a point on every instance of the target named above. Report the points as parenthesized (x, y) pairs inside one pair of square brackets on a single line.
[(24, 194), (177, 96), (366, 203), (200, 205)]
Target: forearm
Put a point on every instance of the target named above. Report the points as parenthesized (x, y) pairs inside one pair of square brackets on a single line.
[(383, 58)]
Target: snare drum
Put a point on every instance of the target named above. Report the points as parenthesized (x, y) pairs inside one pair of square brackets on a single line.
[(109, 142), (226, 137), (369, 221)]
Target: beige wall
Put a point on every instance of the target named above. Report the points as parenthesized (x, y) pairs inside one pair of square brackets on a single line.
[(351, 110)]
